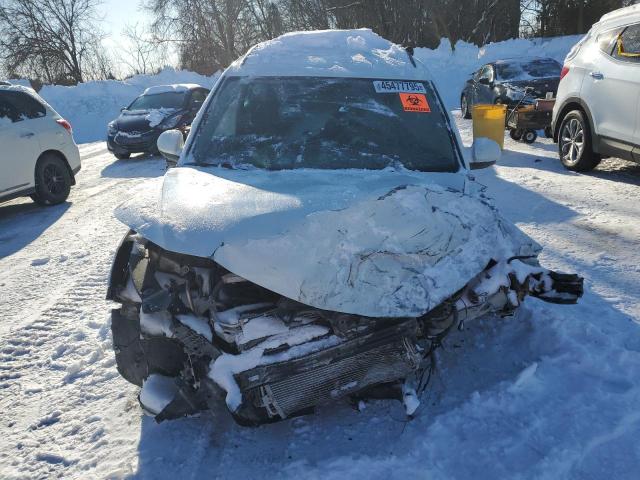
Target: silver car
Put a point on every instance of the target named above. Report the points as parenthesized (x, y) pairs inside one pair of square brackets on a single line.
[(318, 239)]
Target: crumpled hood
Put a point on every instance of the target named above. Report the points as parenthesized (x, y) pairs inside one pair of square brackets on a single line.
[(374, 243)]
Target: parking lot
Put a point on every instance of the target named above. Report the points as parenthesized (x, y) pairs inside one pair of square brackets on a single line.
[(57, 364)]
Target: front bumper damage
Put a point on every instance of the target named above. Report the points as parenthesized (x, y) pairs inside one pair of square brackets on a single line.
[(220, 339), (123, 143)]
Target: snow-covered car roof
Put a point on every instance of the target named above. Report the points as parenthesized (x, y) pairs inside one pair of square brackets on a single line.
[(330, 53), (176, 87), (17, 88)]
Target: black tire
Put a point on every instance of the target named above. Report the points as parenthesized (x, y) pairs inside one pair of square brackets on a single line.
[(53, 180), (516, 134), (530, 136), (574, 143), (122, 156), (464, 107)]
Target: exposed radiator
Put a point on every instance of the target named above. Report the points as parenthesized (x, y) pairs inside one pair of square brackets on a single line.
[(319, 378)]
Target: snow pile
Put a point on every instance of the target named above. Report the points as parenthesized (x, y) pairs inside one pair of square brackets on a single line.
[(91, 106), (451, 69), (329, 53), (157, 392)]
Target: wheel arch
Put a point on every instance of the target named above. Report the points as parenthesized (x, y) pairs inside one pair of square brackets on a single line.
[(569, 105), (62, 157)]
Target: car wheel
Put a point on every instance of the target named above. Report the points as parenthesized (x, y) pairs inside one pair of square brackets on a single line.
[(53, 180), (574, 143), (122, 156), (516, 134), (464, 107), (530, 136)]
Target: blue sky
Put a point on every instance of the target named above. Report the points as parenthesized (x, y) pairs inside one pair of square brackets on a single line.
[(117, 14)]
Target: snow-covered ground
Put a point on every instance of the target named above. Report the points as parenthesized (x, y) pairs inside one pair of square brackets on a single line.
[(552, 393)]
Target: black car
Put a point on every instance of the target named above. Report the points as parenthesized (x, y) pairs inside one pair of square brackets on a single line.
[(504, 81), (160, 108)]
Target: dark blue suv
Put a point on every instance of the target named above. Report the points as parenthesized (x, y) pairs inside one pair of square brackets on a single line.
[(160, 108)]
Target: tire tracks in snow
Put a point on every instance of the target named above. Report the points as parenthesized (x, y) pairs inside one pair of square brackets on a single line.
[(58, 377), (38, 361)]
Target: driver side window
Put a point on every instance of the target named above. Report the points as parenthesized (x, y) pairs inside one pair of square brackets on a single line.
[(489, 73), (197, 99), (486, 73)]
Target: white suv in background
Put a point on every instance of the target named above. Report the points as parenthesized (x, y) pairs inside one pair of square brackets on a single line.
[(598, 103), (38, 156)]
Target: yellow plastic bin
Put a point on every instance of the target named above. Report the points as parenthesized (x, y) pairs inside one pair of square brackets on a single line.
[(489, 122)]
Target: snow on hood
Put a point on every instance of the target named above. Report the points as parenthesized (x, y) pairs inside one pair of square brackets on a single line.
[(374, 243), (156, 116), (330, 53)]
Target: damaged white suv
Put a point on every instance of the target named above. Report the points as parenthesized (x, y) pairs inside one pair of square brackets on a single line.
[(318, 238)]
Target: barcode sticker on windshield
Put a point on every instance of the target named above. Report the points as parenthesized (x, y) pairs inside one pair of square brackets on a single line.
[(398, 86)]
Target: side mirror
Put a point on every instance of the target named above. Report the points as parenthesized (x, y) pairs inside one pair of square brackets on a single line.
[(122, 109), (170, 144), (484, 152), (485, 81)]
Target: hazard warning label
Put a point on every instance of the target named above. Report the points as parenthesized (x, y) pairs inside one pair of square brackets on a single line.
[(415, 102)]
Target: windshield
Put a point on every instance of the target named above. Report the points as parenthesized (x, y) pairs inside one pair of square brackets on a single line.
[(331, 123), (539, 68), (157, 101)]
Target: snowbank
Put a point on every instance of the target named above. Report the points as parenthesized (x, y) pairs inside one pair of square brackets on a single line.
[(451, 69), (90, 106)]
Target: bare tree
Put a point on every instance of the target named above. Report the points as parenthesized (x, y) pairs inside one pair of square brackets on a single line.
[(142, 53), (210, 34), (53, 39), (546, 18)]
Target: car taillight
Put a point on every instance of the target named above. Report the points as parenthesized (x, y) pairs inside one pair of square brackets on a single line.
[(563, 73), (66, 125)]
